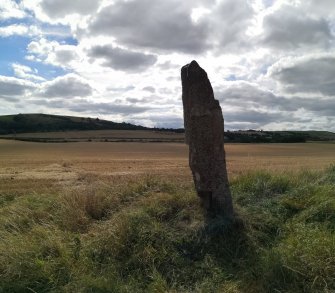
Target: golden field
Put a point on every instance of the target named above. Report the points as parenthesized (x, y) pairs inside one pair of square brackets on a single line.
[(67, 163)]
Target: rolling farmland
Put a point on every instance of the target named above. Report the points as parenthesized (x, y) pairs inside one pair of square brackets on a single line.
[(92, 216)]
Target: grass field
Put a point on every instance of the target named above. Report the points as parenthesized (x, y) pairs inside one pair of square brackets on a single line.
[(123, 217)]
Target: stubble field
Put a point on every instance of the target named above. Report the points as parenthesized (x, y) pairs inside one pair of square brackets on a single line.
[(124, 217), (67, 161)]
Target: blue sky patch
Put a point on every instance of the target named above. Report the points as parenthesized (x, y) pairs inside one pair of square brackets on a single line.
[(13, 50), (47, 71), (231, 77)]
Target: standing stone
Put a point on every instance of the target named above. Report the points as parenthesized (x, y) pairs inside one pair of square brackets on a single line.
[(204, 132)]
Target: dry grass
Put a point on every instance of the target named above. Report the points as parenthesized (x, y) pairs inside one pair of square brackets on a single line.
[(149, 235)]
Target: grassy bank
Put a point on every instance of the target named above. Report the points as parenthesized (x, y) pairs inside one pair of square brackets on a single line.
[(151, 236)]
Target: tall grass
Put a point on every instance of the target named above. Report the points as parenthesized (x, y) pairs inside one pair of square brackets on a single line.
[(151, 236)]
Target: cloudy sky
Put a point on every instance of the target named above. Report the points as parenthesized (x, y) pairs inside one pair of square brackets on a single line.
[(271, 62)]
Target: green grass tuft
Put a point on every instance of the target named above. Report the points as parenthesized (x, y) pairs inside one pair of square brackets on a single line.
[(152, 236)]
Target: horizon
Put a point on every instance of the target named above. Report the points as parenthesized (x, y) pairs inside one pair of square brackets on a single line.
[(168, 128), (270, 62)]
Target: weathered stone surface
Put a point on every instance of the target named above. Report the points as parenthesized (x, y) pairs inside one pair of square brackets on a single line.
[(204, 132)]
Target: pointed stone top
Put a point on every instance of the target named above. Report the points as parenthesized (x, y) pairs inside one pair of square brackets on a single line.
[(194, 64), (192, 72)]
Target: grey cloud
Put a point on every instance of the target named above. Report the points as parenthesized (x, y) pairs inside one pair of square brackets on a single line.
[(60, 8), (324, 8), (317, 105), (86, 106), (246, 95), (121, 59), (165, 91), (106, 108), (246, 119), (172, 78), (290, 28), (261, 109), (168, 25), (134, 100), (164, 25), (149, 89), (66, 86), (121, 89), (9, 99), (54, 103), (64, 56), (159, 120), (247, 104), (241, 125), (11, 86), (167, 65), (311, 74), (137, 100), (152, 100), (324, 107), (230, 21), (169, 122), (252, 116)]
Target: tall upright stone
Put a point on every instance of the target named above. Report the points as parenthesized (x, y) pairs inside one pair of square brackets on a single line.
[(204, 133)]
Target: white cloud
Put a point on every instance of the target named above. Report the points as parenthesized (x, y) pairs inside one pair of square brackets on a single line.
[(52, 52), (18, 29), (42, 47), (10, 9), (25, 72), (67, 86), (26, 30)]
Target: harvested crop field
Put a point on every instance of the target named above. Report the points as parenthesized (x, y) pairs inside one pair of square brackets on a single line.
[(68, 161)]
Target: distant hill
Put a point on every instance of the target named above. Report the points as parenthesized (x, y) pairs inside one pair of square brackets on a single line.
[(42, 123), (23, 123), (316, 135), (254, 136)]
